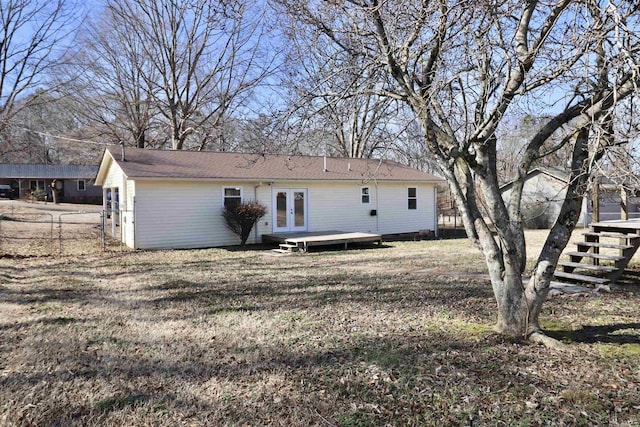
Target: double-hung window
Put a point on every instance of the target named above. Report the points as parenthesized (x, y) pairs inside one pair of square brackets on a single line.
[(412, 198), (365, 196), (232, 196)]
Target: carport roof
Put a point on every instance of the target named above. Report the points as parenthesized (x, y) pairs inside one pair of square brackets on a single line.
[(168, 164), (42, 171)]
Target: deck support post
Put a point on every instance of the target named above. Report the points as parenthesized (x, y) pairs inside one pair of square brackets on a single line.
[(624, 207)]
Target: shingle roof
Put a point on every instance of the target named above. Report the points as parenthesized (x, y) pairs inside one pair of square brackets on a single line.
[(42, 171), (142, 163)]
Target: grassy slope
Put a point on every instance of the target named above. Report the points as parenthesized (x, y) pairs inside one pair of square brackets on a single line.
[(399, 336)]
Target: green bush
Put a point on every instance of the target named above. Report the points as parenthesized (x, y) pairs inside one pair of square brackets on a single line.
[(242, 217)]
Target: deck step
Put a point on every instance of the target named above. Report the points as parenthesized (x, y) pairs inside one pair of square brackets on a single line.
[(601, 268), (281, 251), (597, 256), (603, 245), (289, 247), (580, 278), (613, 235)]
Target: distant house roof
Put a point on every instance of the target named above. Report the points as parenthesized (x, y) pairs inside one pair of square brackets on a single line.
[(554, 173), (42, 171), (606, 183), (163, 164)]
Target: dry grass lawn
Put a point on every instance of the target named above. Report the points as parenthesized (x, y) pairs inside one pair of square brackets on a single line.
[(399, 335)]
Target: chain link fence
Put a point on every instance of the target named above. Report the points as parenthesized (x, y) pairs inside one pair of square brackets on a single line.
[(56, 233), (26, 234)]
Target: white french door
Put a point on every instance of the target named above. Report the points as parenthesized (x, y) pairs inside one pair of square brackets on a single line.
[(290, 209)]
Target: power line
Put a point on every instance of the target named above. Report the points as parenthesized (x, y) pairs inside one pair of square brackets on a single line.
[(47, 135)]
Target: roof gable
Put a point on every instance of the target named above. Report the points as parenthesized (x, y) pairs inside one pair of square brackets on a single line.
[(553, 173), (165, 164)]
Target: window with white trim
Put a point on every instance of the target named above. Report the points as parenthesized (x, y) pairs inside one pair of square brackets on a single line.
[(412, 198), (82, 185), (231, 196), (36, 185), (365, 196)]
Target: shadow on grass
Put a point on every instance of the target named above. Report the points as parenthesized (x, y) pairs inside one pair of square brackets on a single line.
[(56, 321), (295, 293), (620, 333), (418, 369)]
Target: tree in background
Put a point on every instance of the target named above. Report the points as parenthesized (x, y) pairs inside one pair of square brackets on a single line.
[(344, 108), (34, 34), (204, 60), (112, 76), (461, 70)]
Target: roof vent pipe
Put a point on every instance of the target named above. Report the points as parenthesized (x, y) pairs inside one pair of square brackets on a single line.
[(122, 151), (325, 163), (349, 167)]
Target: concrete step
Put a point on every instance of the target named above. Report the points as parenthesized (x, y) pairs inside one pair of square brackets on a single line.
[(597, 256), (580, 278), (283, 251), (602, 245), (288, 247), (600, 268)]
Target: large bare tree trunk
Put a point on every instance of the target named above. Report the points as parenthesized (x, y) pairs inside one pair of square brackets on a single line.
[(461, 70)]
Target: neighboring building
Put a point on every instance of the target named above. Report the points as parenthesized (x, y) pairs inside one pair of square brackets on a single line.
[(74, 183), (542, 196), (174, 199), (544, 192)]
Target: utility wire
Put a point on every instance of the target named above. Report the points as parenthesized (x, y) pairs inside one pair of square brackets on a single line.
[(63, 137)]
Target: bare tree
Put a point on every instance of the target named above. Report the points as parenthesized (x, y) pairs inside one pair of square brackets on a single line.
[(357, 121), (206, 59), (112, 76), (461, 68), (33, 35)]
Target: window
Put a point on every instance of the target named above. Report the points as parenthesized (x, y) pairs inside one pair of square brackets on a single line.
[(412, 198), (365, 197), (81, 185), (232, 196), (36, 185)]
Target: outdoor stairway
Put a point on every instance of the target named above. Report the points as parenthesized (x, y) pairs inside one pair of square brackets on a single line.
[(603, 256)]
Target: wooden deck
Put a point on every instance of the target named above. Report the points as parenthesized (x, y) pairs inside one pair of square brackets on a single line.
[(303, 240)]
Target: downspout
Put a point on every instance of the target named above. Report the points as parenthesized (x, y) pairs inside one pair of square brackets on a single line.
[(375, 182), (435, 209), (133, 222), (255, 197)]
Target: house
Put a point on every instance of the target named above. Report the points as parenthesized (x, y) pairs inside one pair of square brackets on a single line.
[(542, 196), (544, 191), (73, 183), (174, 199)]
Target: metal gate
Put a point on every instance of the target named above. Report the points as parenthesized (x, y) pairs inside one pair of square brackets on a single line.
[(80, 233)]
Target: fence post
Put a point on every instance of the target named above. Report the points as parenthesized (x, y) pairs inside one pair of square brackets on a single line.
[(60, 233), (103, 225)]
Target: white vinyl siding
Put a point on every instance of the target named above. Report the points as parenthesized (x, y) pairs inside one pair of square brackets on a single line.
[(394, 215), (188, 214), (129, 215), (114, 178), (176, 214)]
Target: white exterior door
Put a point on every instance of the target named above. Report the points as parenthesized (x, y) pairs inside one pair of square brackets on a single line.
[(289, 209)]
